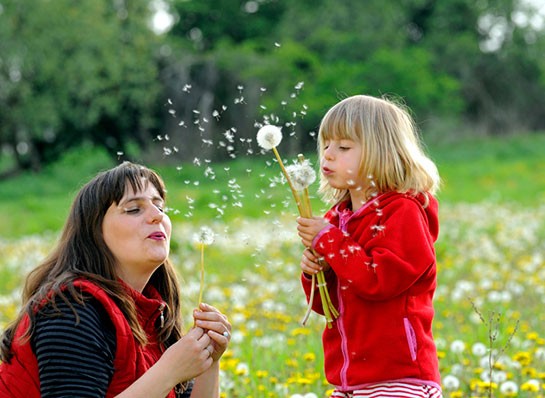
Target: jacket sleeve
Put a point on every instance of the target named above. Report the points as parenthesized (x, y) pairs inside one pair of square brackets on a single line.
[(383, 260), (75, 355)]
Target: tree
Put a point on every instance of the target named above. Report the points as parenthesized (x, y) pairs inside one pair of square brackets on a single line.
[(75, 71)]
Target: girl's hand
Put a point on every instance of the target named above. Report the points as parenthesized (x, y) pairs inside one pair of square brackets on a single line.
[(217, 327), (311, 264), (308, 228)]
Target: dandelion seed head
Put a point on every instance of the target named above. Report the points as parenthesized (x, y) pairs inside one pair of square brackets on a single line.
[(205, 236), (509, 387), (269, 136), (479, 349), (457, 346), (301, 175), (451, 382)]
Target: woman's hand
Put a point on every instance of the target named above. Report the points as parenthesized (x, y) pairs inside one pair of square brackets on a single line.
[(190, 356), (308, 228), (217, 328)]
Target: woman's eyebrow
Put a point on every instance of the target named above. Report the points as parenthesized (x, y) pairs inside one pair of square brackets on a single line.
[(154, 198)]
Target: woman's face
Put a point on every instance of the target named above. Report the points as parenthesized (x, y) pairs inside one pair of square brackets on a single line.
[(137, 232)]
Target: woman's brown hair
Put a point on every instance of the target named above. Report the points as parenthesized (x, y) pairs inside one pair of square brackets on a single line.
[(82, 253)]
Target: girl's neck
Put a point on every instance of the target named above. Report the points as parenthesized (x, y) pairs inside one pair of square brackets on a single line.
[(357, 198)]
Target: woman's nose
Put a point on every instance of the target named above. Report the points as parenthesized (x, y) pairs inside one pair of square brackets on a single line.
[(155, 215)]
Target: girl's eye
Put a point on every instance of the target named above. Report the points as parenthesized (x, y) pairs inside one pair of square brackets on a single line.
[(344, 148)]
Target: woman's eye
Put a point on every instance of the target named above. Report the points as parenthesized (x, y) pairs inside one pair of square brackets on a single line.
[(134, 210)]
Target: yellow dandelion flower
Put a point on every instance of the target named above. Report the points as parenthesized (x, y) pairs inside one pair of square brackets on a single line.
[(523, 357), (529, 372), (530, 385), (309, 356), (300, 332), (261, 374)]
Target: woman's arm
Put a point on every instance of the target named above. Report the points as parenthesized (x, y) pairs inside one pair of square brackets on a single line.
[(74, 356), (194, 356)]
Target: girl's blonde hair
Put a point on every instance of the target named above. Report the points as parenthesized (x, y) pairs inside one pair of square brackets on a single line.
[(393, 158)]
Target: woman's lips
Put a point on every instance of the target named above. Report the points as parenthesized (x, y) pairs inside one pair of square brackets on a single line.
[(157, 236)]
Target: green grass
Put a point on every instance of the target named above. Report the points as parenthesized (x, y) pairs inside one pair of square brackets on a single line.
[(490, 251), (501, 169)]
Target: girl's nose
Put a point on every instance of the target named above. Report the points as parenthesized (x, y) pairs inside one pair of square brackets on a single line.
[(328, 154)]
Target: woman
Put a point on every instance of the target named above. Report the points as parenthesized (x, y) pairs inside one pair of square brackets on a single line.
[(101, 315)]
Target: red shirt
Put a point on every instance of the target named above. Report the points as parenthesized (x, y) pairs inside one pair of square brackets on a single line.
[(382, 281)]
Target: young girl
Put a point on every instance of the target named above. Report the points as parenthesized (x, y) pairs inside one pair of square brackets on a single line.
[(377, 247)]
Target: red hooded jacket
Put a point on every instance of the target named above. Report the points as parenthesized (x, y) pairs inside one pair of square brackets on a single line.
[(19, 378), (382, 281)]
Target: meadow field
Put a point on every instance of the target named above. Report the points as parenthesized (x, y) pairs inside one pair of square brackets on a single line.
[(489, 325)]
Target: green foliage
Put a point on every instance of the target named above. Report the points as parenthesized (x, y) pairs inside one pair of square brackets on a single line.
[(93, 70), (504, 170), (75, 71)]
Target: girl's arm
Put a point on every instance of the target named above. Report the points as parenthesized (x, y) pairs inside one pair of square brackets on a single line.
[(381, 261)]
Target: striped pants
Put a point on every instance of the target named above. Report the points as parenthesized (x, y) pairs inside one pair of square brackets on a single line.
[(392, 390)]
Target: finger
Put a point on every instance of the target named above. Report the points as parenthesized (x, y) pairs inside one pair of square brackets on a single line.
[(204, 340), (195, 332)]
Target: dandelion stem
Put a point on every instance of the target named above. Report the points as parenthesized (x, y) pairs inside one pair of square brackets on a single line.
[(310, 300), (201, 288), (286, 175)]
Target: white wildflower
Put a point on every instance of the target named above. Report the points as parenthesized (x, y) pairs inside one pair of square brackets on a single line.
[(269, 136), (301, 175)]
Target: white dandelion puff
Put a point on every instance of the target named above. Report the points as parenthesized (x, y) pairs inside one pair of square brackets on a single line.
[(509, 387), (451, 382), (205, 236), (301, 174), (457, 346), (479, 349), (269, 136)]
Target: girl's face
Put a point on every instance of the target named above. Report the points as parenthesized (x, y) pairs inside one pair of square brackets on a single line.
[(137, 232), (340, 164)]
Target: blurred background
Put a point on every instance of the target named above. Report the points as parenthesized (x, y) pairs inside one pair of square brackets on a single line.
[(169, 80)]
